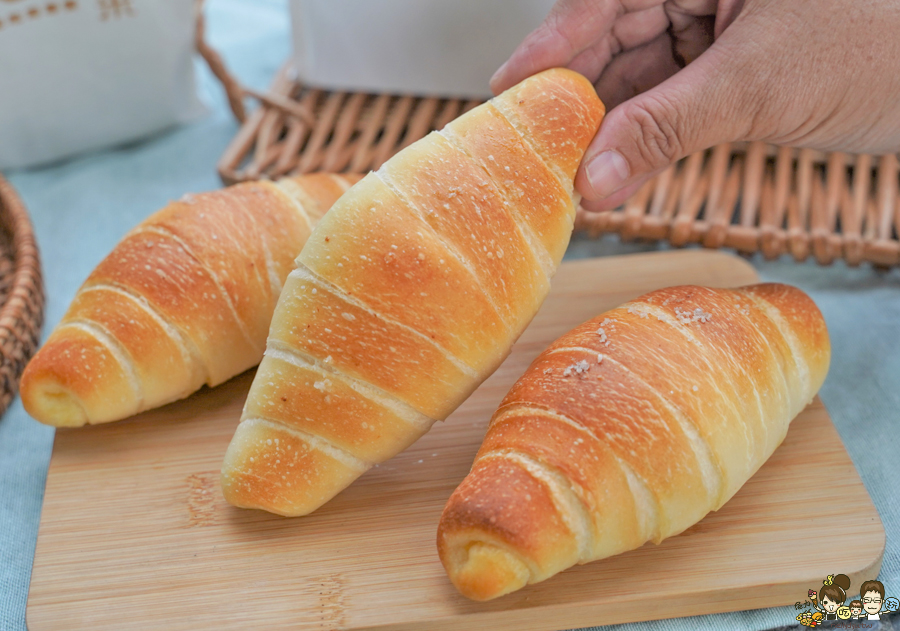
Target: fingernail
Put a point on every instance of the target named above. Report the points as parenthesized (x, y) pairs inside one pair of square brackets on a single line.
[(606, 173)]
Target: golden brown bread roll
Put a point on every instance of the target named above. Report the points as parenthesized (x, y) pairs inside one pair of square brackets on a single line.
[(410, 292), (630, 428), (185, 299)]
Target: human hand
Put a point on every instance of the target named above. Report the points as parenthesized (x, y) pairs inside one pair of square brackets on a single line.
[(683, 75)]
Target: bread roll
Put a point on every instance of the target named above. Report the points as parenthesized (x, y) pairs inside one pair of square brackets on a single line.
[(630, 428), (185, 299), (410, 292)]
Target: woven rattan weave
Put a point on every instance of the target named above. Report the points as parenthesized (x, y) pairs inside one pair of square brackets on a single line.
[(21, 292), (750, 197)]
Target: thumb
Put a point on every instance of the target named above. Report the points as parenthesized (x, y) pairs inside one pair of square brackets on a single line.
[(706, 103)]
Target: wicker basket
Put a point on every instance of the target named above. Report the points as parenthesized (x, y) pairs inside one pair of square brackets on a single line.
[(21, 292), (750, 197)]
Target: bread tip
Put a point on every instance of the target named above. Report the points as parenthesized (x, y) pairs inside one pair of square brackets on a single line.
[(572, 76), (484, 571), (239, 491), (52, 404)]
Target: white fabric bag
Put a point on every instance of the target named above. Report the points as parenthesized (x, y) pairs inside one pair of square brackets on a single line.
[(77, 75), (424, 47)]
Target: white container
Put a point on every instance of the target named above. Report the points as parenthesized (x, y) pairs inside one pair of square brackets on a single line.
[(422, 47), (77, 75)]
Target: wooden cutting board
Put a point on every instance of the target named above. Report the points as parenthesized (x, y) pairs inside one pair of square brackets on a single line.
[(135, 533)]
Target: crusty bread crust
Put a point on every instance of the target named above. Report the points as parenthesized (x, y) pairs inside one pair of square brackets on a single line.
[(636, 424), (414, 287), (184, 299)]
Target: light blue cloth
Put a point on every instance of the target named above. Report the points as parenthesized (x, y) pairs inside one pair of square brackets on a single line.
[(81, 209)]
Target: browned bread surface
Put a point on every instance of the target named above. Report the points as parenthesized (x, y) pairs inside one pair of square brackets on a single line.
[(184, 299), (411, 291), (635, 425)]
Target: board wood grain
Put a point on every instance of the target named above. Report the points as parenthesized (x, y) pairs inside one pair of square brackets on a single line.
[(135, 533)]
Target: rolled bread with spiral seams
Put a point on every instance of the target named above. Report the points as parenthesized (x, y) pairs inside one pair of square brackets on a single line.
[(410, 292), (630, 428), (185, 299)]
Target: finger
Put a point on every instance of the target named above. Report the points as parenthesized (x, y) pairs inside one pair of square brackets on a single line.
[(636, 28), (637, 71), (593, 60), (571, 27), (696, 7), (708, 102), (692, 34), (632, 30), (616, 199), (726, 14)]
